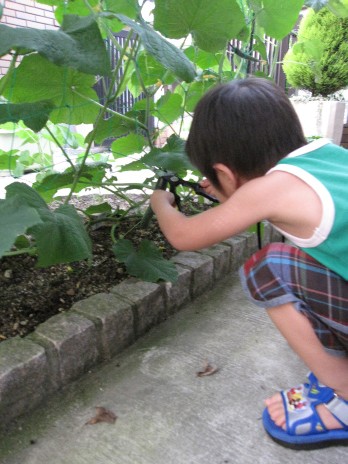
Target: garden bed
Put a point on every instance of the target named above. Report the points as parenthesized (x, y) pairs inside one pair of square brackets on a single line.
[(31, 295)]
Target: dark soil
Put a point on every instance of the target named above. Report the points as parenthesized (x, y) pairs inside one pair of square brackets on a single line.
[(31, 295)]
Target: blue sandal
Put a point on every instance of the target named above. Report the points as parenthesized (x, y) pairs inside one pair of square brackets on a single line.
[(304, 428)]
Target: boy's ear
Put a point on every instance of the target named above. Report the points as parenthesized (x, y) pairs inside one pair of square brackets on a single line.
[(228, 177), (225, 172)]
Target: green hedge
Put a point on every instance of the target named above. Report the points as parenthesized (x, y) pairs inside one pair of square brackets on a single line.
[(318, 61)]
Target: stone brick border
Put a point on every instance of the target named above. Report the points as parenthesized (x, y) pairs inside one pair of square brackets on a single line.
[(101, 326)]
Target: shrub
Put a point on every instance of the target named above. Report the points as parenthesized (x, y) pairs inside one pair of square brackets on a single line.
[(318, 60)]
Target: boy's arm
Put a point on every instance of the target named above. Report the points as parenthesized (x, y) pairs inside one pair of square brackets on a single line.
[(281, 198), (204, 229)]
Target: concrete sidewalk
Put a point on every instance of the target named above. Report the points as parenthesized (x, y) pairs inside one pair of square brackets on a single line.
[(165, 413)]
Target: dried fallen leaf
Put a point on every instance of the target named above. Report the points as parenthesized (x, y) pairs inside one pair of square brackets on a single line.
[(208, 369), (102, 415)]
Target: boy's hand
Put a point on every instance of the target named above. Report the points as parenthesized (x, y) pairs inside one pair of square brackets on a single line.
[(211, 190), (161, 198), (206, 184)]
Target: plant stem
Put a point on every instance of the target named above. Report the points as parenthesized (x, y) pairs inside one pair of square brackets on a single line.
[(251, 42), (274, 59), (56, 141), (30, 251), (110, 110), (148, 215), (98, 119), (221, 64), (147, 94)]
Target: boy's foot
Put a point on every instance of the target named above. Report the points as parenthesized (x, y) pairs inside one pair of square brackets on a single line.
[(276, 410), (308, 416)]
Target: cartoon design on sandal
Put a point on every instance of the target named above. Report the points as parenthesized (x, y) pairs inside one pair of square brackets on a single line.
[(295, 397), (304, 427)]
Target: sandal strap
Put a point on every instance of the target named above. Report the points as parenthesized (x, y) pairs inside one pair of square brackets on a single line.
[(300, 411), (336, 405), (300, 404), (339, 409)]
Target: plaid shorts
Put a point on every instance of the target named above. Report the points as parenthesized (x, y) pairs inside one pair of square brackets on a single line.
[(281, 273)]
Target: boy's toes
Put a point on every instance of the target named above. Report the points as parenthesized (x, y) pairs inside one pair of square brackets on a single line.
[(275, 408), (275, 399)]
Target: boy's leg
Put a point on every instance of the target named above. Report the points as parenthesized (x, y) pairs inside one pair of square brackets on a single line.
[(308, 303), (331, 371)]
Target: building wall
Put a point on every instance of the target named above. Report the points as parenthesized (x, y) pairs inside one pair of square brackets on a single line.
[(344, 142), (25, 13)]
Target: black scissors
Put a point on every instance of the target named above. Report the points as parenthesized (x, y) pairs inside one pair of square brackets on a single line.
[(172, 181)]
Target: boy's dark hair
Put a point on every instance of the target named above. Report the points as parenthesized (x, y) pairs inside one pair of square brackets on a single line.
[(247, 124)]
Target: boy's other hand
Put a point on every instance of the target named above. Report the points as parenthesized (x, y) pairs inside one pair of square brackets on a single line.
[(211, 190), (208, 187)]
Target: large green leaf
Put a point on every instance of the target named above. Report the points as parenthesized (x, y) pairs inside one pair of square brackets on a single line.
[(60, 235), (62, 238), (132, 143), (102, 208), (15, 219), (76, 7), (168, 108), (172, 157), (8, 159), (90, 176), (146, 263), (77, 45), (152, 72), (128, 8), (277, 18), (211, 23), (116, 126), (34, 115), (67, 89), (64, 135), (28, 196), (207, 60), (195, 92), (260, 47), (163, 51), (168, 161)]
